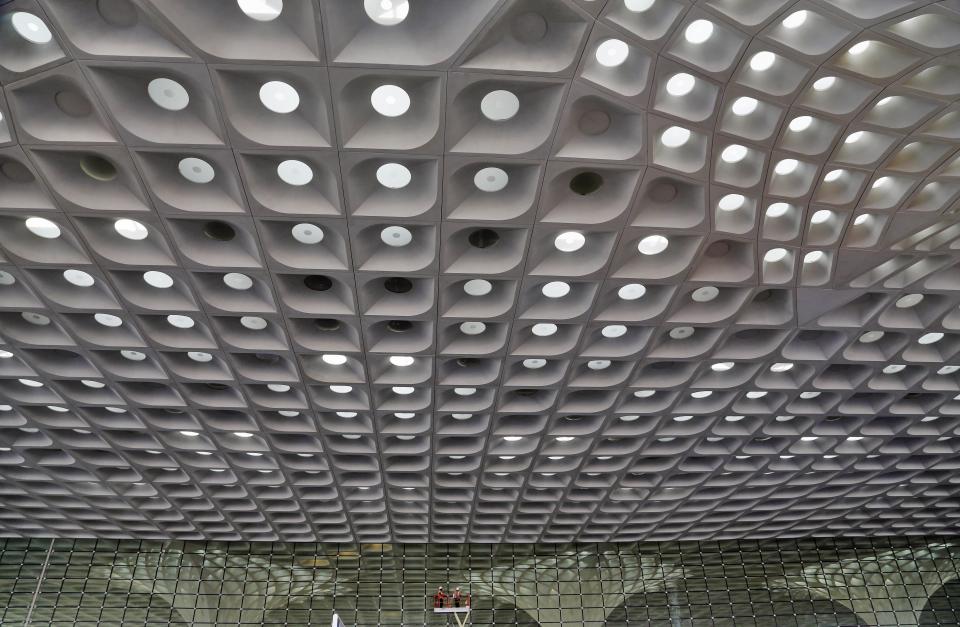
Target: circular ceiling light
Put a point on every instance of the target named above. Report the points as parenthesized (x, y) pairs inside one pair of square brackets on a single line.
[(401, 361), (133, 355), (681, 333), (910, 300), (472, 328), (30, 27), (644, 393), (859, 48), (894, 368), (490, 179), (180, 321), (555, 289), (499, 105), (306, 233), (334, 359), (477, 287), (387, 12), (344, 389), (795, 19), (702, 394), (821, 216), (777, 209), (800, 123), (155, 278), (734, 153), (762, 61), (731, 202), (853, 137), (612, 52), (544, 329), (598, 364), (744, 105), (130, 229), (108, 320), (261, 10), (237, 281), (39, 320), (294, 172), (698, 31), (168, 94), (78, 278), (396, 236), (722, 366), (394, 175), (638, 6), (613, 330), (200, 356), (781, 367), (390, 100), (681, 84), (254, 323), (705, 294), (786, 166), (403, 390), (569, 241), (632, 291), (871, 336), (825, 83), (6, 278), (930, 338), (653, 244), (675, 136), (775, 255), (279, 97), (534, 364), (196, 170), (813, 256), (834, 175), (41, 227)]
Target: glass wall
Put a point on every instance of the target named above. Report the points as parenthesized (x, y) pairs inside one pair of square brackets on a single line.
[(880, 581)]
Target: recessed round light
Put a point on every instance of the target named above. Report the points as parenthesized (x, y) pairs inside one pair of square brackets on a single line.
[(237, 281), (800, 123), (731, 202), (786, 166), (254, 323), (472, 328), (396, 236), (910, 300), (279, 97), (756, 394), (130, 229), (168, 94), (477, 287), (394, 175), (744, 105), (834, 175), (41, 227), (534, 364), (930, 338), (894, 368), (343, 389), (859, 48), (632, 291), (180, 321), (638, 6), (681, 333), (390, 100), (948, 369), (777, 209), (775, 255), (702, 394), (813, 256), (34, 318), (825, 83), (555, 289), (698, 31), (871, 336), (722, 366), (403, 390), (613, 330), (681, 84), (108, 320), (306, 233), (544, 329), (334, 359), (569, 241), (653, 244), (675, 136), (401, 361), (155, 278), (30, 27), (490, 179), (644, 393), (499, 105), (464, 391), (200, 356), (781, 367), (612, 52), (294, 172), (6, 278), (734, 153), (795, 19), (705, 294), (598, 364), (387, 12), (78, 278), (133, 355), (762, 61), (853, 137), (821, 216), (261, 10), (196, 170)]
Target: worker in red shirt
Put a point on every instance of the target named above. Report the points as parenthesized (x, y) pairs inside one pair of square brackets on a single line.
[(456, 597), (439, 597)]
